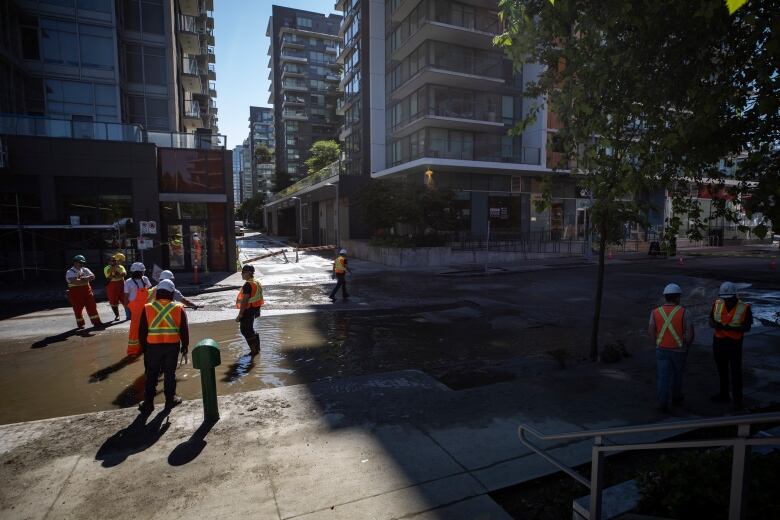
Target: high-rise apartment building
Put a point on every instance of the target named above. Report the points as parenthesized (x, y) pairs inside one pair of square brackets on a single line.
[(238, 163), (147, 62), (304, 85), (261, 134)]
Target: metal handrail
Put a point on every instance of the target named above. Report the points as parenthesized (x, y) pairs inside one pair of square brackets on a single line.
[(741, 446)]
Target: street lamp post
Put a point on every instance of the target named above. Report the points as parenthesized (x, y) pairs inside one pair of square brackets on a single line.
[(300, 219)]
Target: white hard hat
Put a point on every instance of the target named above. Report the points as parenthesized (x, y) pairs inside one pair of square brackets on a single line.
[(343, 252), (727, 290), (672, 288), (166, 285), (166, 275), (137, 267)]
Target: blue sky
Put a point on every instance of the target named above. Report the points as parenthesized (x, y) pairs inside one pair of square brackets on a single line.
[(242, 59)]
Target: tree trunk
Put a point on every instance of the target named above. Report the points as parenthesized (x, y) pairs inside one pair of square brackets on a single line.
[(594, 337)]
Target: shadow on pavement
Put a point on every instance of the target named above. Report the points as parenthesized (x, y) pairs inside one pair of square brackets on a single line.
[(63, 336), (189, 450), (103, 373), (135, 438)]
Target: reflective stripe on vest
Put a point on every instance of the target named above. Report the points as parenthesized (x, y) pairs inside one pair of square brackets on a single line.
[(734, 318), (164, 321), (669, 327), (255, 297), (340, 265)]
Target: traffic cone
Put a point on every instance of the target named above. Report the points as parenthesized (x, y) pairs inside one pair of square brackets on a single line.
[(680, 260), (773, 264)]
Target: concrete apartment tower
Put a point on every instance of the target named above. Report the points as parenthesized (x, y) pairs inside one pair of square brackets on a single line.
[(261, 133), (304, 86)]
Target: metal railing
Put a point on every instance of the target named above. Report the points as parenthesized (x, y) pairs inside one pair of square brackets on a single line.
[(188, 23), (189, 66), (331, 170), (741, 445), (535, 242), (13, 124)]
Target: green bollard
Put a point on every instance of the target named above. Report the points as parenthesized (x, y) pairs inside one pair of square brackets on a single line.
[(205, 356)]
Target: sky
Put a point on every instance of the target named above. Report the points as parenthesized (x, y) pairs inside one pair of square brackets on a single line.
[(242, 58)]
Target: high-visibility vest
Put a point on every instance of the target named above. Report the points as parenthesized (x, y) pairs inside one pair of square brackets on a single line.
[(669, 326), (164, 319), (255, 297), (117, 278), (733, 318), (340, 265)]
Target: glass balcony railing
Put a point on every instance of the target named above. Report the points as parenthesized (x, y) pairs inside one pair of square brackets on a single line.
[(191, 108), (457, 110), (188, 23), (466, 150), (12, 124), (189, 66)]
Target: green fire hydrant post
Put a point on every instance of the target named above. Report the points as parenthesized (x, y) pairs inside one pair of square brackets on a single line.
[(205, 356)]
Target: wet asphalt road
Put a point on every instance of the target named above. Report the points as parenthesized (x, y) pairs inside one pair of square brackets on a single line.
[(452, 328)]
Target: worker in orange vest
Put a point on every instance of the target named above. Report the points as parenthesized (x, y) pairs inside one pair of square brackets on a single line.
[(115, 282), (163, 333), (671, 330), (340, 270), (136, 295), (248, 302), (731, 318), (80, 293)]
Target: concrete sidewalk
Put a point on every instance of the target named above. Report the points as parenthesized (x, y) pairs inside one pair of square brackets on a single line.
[(388, 445)]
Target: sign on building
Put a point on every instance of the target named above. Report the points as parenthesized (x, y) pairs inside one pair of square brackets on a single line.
[(145, 243), (148, 227)]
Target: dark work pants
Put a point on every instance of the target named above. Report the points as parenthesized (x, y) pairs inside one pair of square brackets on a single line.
[(341, 283), (161, 358), (728, 358), (247, 325)]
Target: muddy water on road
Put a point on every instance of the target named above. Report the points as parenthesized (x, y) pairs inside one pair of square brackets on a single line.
[(89, 372)]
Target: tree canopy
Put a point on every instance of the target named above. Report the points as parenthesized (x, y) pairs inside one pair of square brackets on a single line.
[(321, 154), (651, 95)]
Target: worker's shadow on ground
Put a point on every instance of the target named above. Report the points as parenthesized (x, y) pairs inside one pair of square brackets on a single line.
[(135, 438), (189, 450), (240, 368), (103, 373), (63, 336)]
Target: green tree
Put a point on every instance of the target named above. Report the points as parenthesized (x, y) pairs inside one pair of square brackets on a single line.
[(321, 154), (644, 91), (251, 210), (263, 154), (386, 203)]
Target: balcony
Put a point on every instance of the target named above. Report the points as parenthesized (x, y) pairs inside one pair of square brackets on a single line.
[(293, 101), (207, 36), (300, 86), (189, 7), (190, 75), (402, 11), (213, 107), (212, 72), (452, 116), (332, 77), (433, 75), (294, 115), (332, 49), (212, 89), (212, 58), (191, 114), (187, 32), (294, 57), (65, 128), (292, 41), (292, 71), (468, 36)]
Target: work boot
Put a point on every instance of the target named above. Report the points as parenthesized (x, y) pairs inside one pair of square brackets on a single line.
[(116, 312), (172, 402), (254, 347), (146, 407)]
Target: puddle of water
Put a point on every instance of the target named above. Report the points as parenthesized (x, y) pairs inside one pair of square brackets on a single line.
[(765, 306)]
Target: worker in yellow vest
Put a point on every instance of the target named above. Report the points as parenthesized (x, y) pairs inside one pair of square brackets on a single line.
[(163, 333), (731, 318), (248, 302), (340, 270), (115, 274), (671, 330)]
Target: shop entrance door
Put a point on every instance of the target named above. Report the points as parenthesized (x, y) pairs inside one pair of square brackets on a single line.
[(583, 222), (186, 245)]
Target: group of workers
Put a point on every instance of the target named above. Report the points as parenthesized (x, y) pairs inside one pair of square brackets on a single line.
[(671, 329)]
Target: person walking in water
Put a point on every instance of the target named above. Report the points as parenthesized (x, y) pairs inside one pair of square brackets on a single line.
[(136, 295), (340, 269), (80, 293), (115, 274), (248, 302)]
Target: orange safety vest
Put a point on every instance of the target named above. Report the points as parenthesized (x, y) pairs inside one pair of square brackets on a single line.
[(733, 318), (164, 319), (669, 328), (340, 265), (255, 297)]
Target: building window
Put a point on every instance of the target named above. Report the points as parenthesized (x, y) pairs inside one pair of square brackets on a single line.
[(145, 64), (29, 33), (303, 22), (97, 47), (59, 42), (144, 16), (101, 6), (150, 112)]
